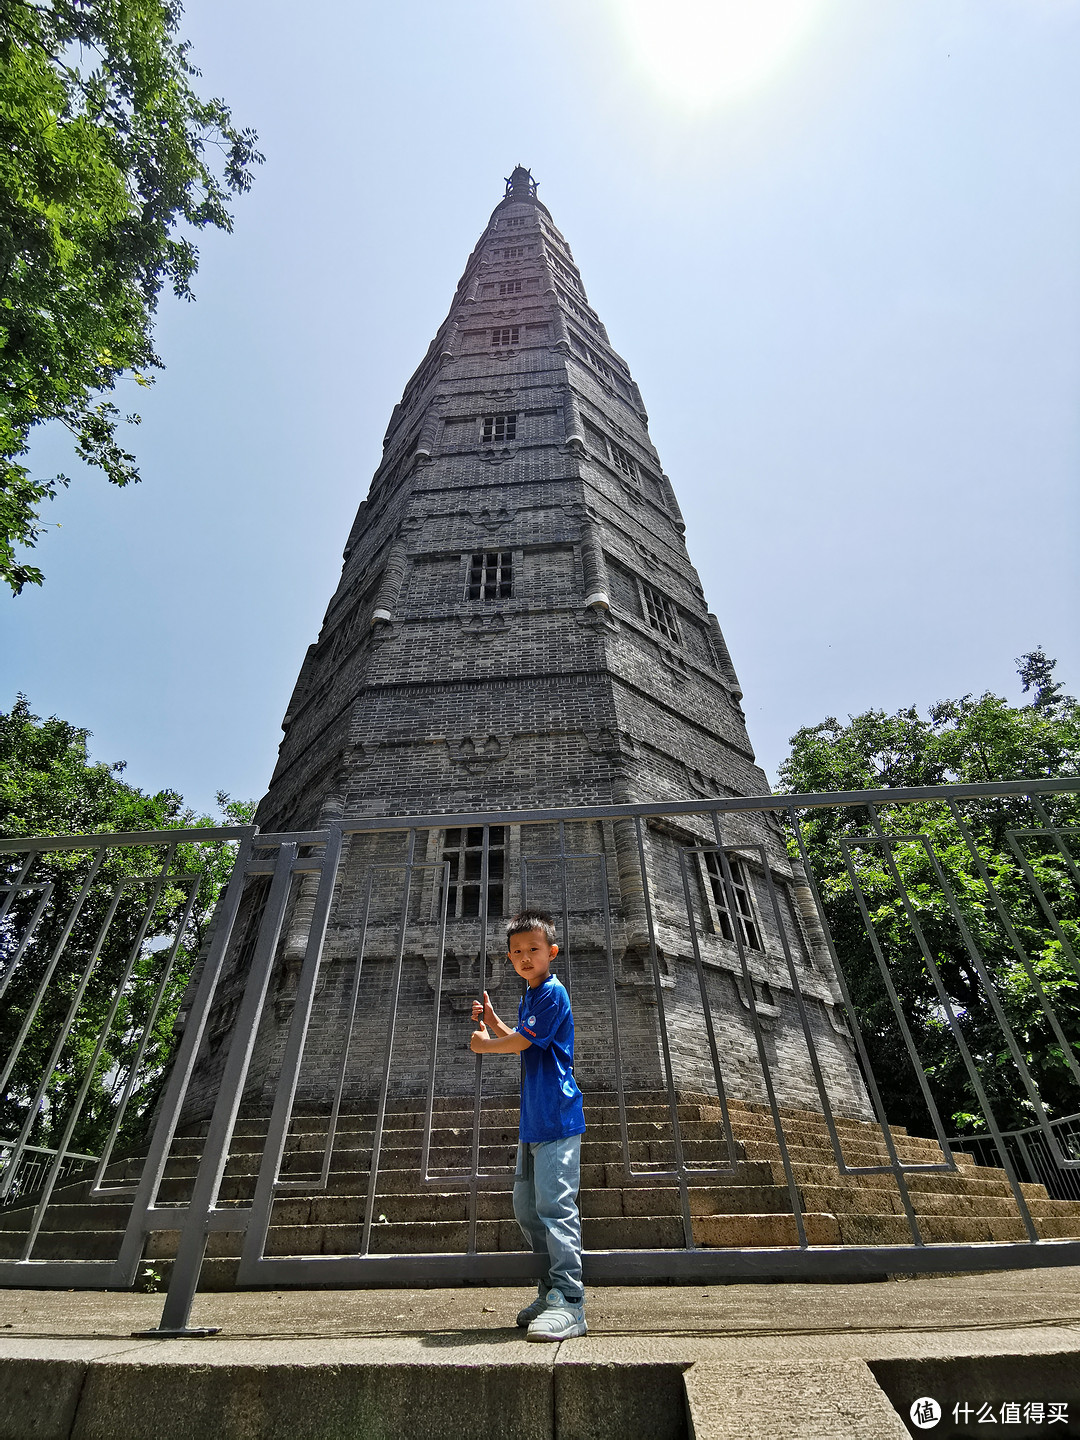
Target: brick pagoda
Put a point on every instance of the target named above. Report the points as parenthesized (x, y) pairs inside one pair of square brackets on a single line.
[(518, 625)]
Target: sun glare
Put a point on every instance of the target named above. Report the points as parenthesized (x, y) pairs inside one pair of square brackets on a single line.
[(700, 53)]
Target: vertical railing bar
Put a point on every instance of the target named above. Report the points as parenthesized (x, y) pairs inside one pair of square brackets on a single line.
[(1014, 939), (1057, 831), (847, 847), (75, 1112), (181, 1069), (669, 1076), (96, 1187), (710, 1031), (189, 1253), (616, 1038), (14, 886), (800, 1003), (860, 1044), (991, 992), (54, 960), (1034, 1174), (346, 1049), (759, 1036), (58, 1045), (1040, 895), (380, 1117), (28, 934), (478, 1069), (425, 1148), (261, 1209), (954, 1026), (565, 953)]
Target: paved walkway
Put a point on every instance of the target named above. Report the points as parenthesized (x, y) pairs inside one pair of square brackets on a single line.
[(800, 1362)]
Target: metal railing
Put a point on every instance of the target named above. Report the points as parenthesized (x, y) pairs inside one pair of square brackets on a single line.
[(1035, 1160), (30, 1173), (775, 997)]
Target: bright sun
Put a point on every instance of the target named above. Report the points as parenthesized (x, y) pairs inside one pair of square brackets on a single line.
[(703, 52)]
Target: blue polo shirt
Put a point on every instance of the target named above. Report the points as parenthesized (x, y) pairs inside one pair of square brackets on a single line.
[(551, 1105)]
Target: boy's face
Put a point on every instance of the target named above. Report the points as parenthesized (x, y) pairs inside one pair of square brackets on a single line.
[(531, 955)]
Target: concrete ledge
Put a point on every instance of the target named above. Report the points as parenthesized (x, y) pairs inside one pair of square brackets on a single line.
[(318, 1401), (978, 1379), (279, 1390), (38, 1398), (797, 1361), (459, 1385), (805, 1400), (643, 1398)]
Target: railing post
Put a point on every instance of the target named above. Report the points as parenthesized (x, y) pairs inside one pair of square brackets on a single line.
[(189, 1255)]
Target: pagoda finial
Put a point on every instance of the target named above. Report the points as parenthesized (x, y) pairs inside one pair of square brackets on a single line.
[(520, 185)]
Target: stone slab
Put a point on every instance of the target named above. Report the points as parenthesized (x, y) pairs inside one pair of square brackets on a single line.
[(320, 1389), (806, 1400)]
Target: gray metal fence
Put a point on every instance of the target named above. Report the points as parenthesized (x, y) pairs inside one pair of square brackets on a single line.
[(816, 1034), (1035, 1160)]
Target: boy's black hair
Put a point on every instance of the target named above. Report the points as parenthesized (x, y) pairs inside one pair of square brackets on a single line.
[(526, 920)]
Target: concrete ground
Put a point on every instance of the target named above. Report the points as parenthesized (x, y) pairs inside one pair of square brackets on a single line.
[(722, 1362)]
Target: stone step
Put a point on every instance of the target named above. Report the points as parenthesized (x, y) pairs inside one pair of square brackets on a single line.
[(943, 1182), (177, 1189), (455, 1158), (598, 1233), (804, 1155), (64, 1245), (411, 1115), (606, 1112), (864, 1150), (424, 1238), (645, 1201), (844, 1199)]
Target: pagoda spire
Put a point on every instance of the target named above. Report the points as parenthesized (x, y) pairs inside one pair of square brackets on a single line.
[(520, 184)]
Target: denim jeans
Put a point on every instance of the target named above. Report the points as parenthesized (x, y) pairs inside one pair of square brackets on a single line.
[(546, 1184)]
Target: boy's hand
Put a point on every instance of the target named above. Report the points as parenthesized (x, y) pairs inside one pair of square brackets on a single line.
[(483, 1014), (479, 1034)]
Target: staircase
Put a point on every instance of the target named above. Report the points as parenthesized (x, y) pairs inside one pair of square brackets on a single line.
[(750, 1208)]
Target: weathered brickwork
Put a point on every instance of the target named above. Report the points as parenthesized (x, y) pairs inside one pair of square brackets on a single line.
[(594, 675)]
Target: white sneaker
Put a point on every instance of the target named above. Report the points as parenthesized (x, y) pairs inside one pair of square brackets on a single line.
[(529, 1314), (559, 1320)]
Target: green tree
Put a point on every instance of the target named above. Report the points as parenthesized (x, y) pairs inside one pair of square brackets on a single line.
[(145, 915), (106, 156), (970, 853)]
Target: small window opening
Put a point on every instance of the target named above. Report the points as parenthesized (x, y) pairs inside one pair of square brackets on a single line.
[(744, 914), (660, 612), (623, 460), (491, 575), (498, 427), (463, 852), (505, 335)]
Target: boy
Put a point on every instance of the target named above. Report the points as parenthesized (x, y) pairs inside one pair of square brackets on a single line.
[(552, 1123)]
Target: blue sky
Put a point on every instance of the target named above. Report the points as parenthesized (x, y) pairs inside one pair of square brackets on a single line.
[(849, 292)]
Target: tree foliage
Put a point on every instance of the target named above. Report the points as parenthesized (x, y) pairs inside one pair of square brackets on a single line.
[(108, 158), (940, 882), (138, 923)]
